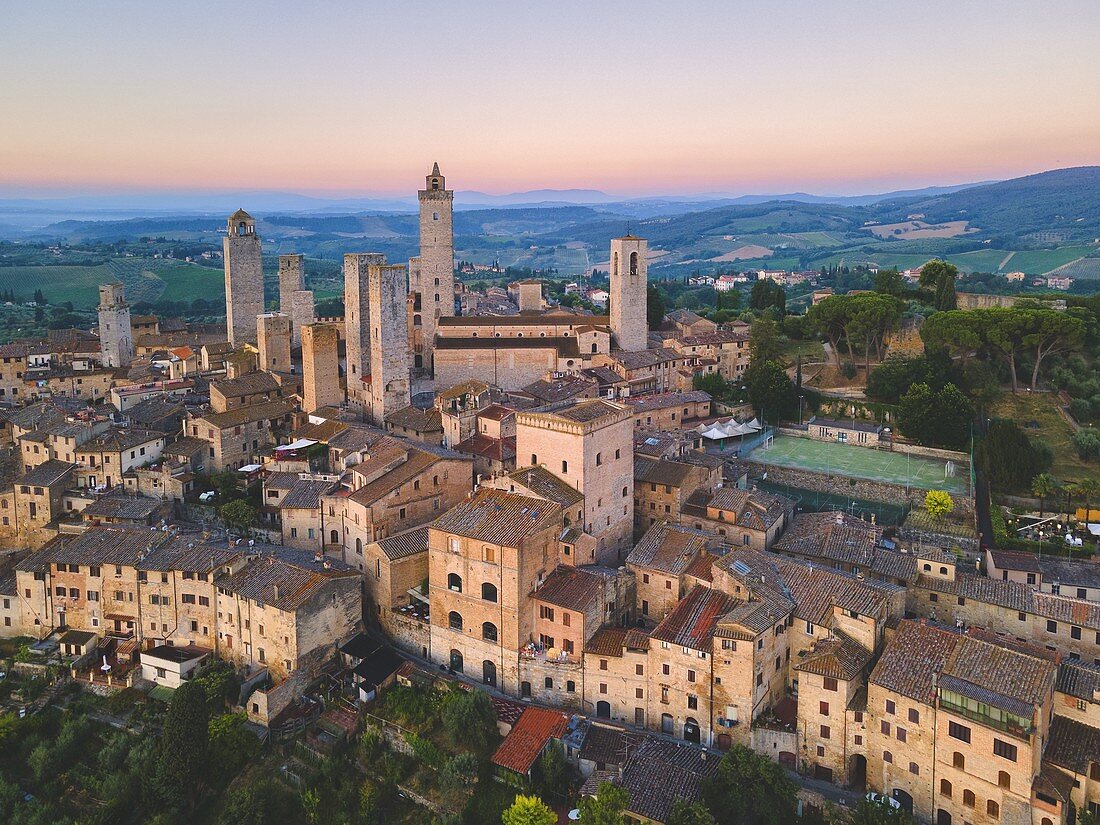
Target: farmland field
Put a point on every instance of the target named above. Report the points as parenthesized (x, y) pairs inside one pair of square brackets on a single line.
[(1041, 261), (1038, 414), (145, 280)]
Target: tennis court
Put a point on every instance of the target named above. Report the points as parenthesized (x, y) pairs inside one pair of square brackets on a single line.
[(833, 457)]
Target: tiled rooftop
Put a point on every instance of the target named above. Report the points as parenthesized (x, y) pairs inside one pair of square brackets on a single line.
[(499, 518)]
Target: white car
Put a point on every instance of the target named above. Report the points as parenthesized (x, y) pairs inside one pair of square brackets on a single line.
[(882, 799)]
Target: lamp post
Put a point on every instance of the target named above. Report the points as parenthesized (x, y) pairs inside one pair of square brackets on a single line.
[(800, 398)]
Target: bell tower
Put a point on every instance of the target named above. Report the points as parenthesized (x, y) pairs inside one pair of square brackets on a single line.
[(244, 278), (436, 278), (628, 293)]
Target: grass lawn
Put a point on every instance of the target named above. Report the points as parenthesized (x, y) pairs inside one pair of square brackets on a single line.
[(1038, 415), (186, 282), (145, 280), (809, 350), (1040, 261), (862, 462)]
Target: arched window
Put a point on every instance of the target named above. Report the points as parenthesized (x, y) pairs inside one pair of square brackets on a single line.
[(927, 568), (615, 262), (968, 798), (489, 592), (992, 808), (945, 788), (564, 466), (625, 493), (359, 546), (454, 620), (454, 582), (887, 757), (958, 760), (594, 348), (1004, 780), (489, 632), (417, 321), (633, 263), (914, 769), (943, 571), (334, 537)]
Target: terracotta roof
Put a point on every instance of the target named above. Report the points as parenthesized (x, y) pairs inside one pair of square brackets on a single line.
[(405, 545), (838, 657), (1080, 680), (114, 544), (523, 745), (521, 320), (559, 389), (249, 413), (702, 567), (608, 745), (658, 773), (572, 588), (1016, 596), (692, 621), (118, 440), (584, 412), (611, 641), (670, 548), (414, 418), (494, 449), (912, 662), (306, 494), (499, 518), (564, 346), (1072, 745), (251, 384), (665, 400), (661, 471), (710, 338), (284, 578), (186, 446), (836, 536), (122, 506), (542, 483), (495, 412), (1012, 560)]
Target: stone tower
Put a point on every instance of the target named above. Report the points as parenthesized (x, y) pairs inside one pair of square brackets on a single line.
[(116, 337), (357, 319), (435, 272), (294, 299), (320, 367), (628, 293), (273, 334), (389, 341), (244, 278), (529, 294)]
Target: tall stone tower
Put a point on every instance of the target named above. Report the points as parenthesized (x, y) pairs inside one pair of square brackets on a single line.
[(628, 292), (436, 267), (357, 315), (320, 367), (389, 341), (294, 299), (244, 278), (116, 337), (273, 334)]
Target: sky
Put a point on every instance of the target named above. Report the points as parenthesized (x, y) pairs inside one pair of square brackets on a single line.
[(632, 98)]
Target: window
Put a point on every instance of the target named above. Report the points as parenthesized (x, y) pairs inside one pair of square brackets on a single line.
[(1004, 780), (693, 702), (1052, 626), (489, 632), (992, 808), (914, 716), (829, 683), (564, 466), (825, 732), (565, 619), (890, 706), (490, 555), (664, 670), (823, 708), (957, 731), (639, 670), (888, 757), (546, 613), (599, 459), (914, 769), (603, 664), (570, 686), (489, 592), (454, 619), (691, 675), (902, 735), (1005, 750), (454, 582), (549, 682), (884, 726), (968, 798), (958, 760), (945, 788)]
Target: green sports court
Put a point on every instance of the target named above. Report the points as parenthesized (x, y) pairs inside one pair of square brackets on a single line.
[(835, 458)]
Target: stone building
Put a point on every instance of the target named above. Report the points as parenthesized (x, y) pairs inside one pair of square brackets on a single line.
[(236, 437), (590, 446), (745, 518), (628, 292), (295, 300), (663, 486), (105, 459), (116, 337), (389, 343), (486, 557), (432, 273), (662, 564), (244, 278), (321, 368), (357, 319), (274, 337), (234, 393)]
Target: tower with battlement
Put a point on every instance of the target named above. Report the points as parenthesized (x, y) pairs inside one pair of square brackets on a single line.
[(294, 299), (320, 367), (244, 278), (433, 273), (116, 337), (357, 317), (628, 293), (273, 341), (389, 340)]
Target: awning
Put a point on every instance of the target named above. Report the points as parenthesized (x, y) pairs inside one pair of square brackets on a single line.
[(300, 444), (730, 429)]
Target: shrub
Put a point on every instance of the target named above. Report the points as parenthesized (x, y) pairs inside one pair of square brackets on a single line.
[(1087, 444), (459, 770), (426, 751)]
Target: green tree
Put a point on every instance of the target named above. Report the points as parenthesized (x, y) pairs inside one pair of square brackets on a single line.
[(1087, 444), (955, 415), (468, 717), (654, 307), (238, 515), (553, 776), (938, 504), (694, 813), (528, 810), (890, 282), (916, 416), (770, 390), (606, 807), (1009, 457), (870, 316), (1051, 333), (185, 745), (1043, 486), (231, 746), (459, 771), (1088, 488), (828, 318), (767, 294), (263, 802), (764, 340), (939, 277), (749, 788), (879, 813), (958, 332)]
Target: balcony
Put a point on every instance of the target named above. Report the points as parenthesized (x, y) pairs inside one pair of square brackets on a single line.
[(1004, 725), (539, 653)]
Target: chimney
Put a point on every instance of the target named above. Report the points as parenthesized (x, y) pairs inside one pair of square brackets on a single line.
[(278, 592)]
